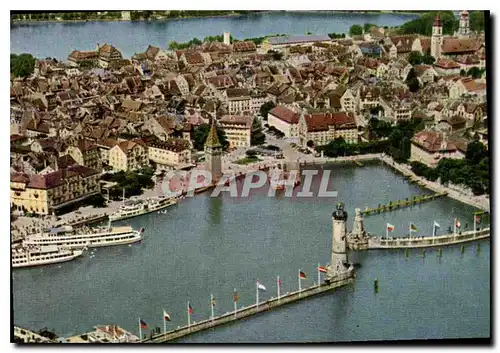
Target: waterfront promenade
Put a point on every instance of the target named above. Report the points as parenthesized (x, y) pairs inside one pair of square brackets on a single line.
[(427, 242), (26, 225)]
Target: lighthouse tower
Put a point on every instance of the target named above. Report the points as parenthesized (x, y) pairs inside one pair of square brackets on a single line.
[(463, 25), (338, 261), (437, 38)]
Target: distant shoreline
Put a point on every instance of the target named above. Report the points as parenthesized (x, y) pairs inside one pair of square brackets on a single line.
[(373, 12)]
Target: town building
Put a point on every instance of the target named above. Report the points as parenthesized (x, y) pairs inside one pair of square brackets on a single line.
[(284, 120), (429, 147), (47, 193), (174, 152), (321, 128), (86, 153), (238, 100), (286, 41), (238, 129), (128, 155)]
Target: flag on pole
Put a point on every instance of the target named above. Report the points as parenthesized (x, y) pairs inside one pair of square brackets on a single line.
[(261, 286), (390, 227), (143, 323), (166, 316), (235, 296), (457, 224), (322, 269), (190, 309), (302, 275), (436, 224), (278, 281), (477, 218), (413, 227), (212, 301)]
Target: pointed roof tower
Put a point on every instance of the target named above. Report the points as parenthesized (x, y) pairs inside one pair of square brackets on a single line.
[(437, 21), (212, 139)]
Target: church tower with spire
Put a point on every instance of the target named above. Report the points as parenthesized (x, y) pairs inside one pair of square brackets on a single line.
[(213, 154), (463, 25), (437, 38)]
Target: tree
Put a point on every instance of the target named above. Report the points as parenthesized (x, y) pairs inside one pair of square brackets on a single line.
[(22, 65), (368, 26), (257, 137), (476, 20), (276, 55), (251, 153), (415, 58), (423, 24), (412, 81), (355, 30), (200, 135), (428, 59), (265, 108), (476, 151), (475, 72)]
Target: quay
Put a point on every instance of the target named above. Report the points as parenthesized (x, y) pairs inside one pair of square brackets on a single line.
[(426, 242), (239, 314), (89, 220), (402, 203)]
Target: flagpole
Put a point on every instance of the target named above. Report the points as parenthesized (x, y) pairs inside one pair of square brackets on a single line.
[(386, 232), (140, 330), (164, 322), (454, 226), (474, 226), (212, 305), (319, 276), (257, 293), (300, 289), (235, 304), (279, 285), (189, 316)]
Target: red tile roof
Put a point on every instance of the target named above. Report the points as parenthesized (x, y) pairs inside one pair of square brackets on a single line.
[(54, 179), (322, 121), (446, 64), (246, 46), (285, 114)]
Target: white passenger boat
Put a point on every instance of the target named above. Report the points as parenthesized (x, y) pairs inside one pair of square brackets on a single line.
[(42, 255), (68, 237), (138, 208)]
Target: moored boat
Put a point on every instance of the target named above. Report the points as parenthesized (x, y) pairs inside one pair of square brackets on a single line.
[(42, 255), (68, 237), (138, 208)]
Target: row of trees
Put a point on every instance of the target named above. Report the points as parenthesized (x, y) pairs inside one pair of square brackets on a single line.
[(473, 171), (336, 35), (473, 72), (132, 182), (393, 140), (423, 24)]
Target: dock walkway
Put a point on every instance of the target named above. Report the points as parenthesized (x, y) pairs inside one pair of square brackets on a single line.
[(272, 303), (391, 206), (426, 242)]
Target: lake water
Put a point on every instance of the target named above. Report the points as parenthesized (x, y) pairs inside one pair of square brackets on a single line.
[(58, 40), (208, 245)]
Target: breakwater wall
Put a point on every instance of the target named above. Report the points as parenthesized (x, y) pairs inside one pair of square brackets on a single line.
[(233, 316)]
